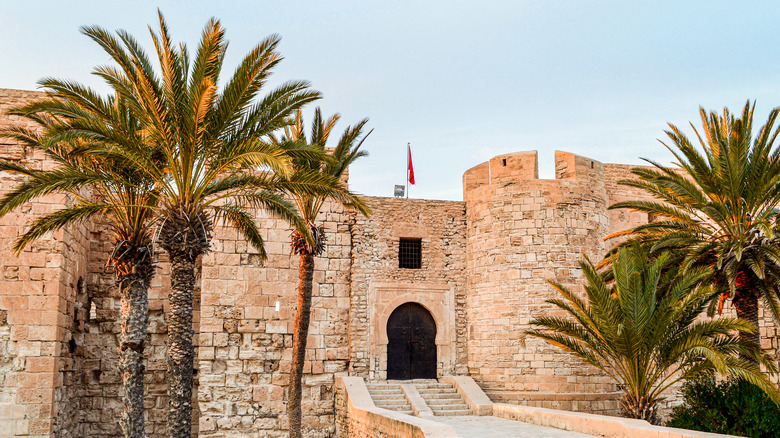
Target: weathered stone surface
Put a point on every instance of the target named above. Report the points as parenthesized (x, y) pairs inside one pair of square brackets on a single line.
[(379, 285), (485, 263), (523, 232)]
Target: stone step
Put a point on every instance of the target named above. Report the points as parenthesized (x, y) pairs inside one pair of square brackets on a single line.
[(412, 381), (452, 413), (447, 406), (391, 401), (442, 395), (399, 408), (399, 404), (444, 401), (399, 398), (434, 391), (386, 394), (393, 406), (390, 397), (385, 391)]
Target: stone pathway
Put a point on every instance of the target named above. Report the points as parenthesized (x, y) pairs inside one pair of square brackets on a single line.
[(493, 427)]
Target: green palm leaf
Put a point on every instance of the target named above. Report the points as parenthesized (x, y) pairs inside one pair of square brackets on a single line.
[(639, 325)]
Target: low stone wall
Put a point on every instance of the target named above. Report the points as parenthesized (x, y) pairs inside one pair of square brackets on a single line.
[(594, 403), (358, 417), (598, 425)]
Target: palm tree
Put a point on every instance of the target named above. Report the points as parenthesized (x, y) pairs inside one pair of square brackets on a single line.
[(718, 208), (308, 206), (210, 163), (100, 187), (641, 329)]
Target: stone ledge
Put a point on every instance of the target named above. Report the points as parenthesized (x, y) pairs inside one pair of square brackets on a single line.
[(592, 424), (419, 406), (555, 396), (478, 401)]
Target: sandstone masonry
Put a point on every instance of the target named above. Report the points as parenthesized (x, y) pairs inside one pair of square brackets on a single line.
[(484, 267)]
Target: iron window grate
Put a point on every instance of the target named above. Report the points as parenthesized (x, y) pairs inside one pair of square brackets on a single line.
[(410, 253)]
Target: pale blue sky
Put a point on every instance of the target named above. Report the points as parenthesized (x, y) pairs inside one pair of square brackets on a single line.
[(461, 81)]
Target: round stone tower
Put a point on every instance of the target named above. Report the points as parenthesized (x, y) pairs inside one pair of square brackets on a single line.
[(521, 232)]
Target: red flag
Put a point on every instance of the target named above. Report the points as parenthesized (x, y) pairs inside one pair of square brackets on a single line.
[(411, 168)]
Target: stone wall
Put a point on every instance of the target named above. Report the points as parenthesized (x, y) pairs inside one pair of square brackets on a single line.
[(522, 232), (96, 380), (379, 285), (62, 307), (622, 219), (39, 301), (246, 344)]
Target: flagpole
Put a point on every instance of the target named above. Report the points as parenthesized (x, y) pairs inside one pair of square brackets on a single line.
[(408, 153)]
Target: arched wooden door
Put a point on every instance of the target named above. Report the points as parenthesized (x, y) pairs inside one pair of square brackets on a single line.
[(411, 346)]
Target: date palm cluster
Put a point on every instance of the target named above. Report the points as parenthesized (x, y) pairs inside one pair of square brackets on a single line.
[(174, 150)]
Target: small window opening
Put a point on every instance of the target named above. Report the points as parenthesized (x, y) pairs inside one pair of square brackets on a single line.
[(591, 164), (410, 253), (503, 161)]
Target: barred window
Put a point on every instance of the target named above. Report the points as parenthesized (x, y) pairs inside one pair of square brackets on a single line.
[(410, 253)]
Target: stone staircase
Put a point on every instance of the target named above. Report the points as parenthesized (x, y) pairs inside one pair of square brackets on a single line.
[(443, 398), (389, 396)]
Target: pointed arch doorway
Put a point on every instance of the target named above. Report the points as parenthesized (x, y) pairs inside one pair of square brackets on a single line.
[(411, 346)]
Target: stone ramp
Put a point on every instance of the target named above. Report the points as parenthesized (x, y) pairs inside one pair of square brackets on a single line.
[(358, 416), (491, 427)]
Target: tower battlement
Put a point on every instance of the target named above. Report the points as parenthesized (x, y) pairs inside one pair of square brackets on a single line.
[(524, 166)]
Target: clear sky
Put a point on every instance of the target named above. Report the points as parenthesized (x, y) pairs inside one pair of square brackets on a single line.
[(461, 81)]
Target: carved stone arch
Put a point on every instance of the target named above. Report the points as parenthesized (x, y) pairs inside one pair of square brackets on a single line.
[(436, 298)]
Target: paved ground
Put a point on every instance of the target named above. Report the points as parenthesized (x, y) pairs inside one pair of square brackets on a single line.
[(494, 427)]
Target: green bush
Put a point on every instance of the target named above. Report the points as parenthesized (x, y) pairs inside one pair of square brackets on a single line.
[(732, 407)]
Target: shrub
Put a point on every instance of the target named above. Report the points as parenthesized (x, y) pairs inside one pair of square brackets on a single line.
[(734, 407)]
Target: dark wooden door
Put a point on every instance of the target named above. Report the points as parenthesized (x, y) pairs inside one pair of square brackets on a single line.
[(411, 346)]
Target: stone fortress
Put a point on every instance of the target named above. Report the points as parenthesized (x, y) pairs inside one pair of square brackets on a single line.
[(477, 269)]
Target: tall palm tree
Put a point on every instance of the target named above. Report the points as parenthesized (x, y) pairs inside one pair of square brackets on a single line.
[(215, 166), (641, 329), (717, 207), (100, 188), (308, 205)]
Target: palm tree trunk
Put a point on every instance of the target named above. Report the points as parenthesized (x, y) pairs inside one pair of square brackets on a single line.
[(300, 333), (746, 304), (184, 237), (180, 348), (639, 406), (134, 319)]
